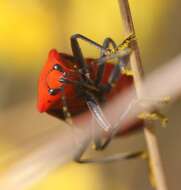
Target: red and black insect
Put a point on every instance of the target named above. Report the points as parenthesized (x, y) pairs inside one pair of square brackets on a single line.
[(69, 85)]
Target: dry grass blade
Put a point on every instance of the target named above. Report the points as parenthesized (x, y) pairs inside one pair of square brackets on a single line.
[(137, 68)]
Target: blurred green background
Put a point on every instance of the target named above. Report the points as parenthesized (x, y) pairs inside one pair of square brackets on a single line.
[(29, 29)]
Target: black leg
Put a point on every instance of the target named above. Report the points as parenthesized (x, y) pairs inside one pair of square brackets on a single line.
[(101, 63), (75, 37), (99, 117), (107, 159), (77, 53), (114, 75), (79, 84), (96, 111), (107, 42), (116, 127), (117, 54), (125, 51), (112, 158), (116, 72), (94, 107), (104, 123)]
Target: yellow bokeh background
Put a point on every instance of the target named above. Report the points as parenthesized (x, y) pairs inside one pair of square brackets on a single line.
[(30, 28), (72, 176)]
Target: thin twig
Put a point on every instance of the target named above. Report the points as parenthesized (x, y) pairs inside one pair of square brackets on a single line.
[(136, 65)]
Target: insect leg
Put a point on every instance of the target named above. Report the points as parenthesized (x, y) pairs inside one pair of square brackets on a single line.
[(116, 127), (101, 63), (120, 55), (66, 113), (77, 52), (112, 158), (96, 111), (116, 73), (75, 37)]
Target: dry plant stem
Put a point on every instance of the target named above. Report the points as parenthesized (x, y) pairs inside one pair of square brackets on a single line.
[(135, 61)]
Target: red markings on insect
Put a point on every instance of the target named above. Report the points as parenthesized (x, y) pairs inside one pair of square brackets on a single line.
[(49, 79), (70, 85), (59, 79)]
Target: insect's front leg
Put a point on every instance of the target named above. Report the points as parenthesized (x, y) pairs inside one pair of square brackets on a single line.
[(121, 62), (77, 52), (101, 62)]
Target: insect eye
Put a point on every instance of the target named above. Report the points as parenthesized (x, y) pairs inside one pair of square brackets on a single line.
[(57, 67), (53, 92)]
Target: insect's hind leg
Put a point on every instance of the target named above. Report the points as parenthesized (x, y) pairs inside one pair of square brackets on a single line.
[(108, 159), (112, 158), (115, 129)]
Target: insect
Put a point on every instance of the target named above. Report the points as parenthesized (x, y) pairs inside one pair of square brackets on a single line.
[(69, 85)]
